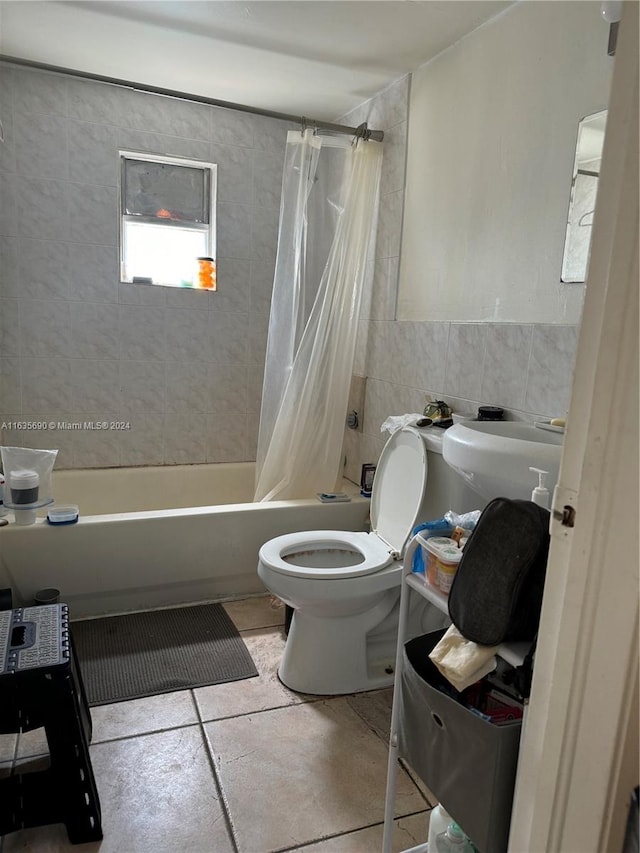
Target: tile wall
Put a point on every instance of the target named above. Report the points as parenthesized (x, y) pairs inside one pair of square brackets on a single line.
[(525, 368), (183, 368)]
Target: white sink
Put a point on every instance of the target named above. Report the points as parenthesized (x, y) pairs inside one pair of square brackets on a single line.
[(494, 456)]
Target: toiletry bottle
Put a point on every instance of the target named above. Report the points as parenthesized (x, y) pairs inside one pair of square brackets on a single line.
[(439, 820), (453, 840), (540, 495)]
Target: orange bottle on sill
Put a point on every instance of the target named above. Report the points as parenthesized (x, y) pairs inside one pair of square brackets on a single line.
[(206, 273)]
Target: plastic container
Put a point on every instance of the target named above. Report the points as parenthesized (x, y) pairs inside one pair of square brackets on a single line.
[(63, 514), (207, 274), (453, 840), (439, 820), (442, 557), (24, 486)]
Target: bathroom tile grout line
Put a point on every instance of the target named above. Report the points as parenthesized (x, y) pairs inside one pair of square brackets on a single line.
[(349, 832), (217, 781)]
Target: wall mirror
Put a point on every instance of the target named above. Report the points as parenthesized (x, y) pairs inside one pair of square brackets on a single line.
[(584, 188)]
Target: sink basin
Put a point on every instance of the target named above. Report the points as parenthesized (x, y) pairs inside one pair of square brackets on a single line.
[(494, 456)]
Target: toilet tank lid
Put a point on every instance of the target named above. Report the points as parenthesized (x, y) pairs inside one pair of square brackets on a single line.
[(399, 487)]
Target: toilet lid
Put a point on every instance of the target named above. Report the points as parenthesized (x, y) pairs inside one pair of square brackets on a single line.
[(399, 487)]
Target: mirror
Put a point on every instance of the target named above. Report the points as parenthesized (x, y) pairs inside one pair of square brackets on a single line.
[(584, 187)]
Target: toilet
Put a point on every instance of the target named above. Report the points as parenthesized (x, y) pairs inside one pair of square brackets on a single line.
[(345, 586)]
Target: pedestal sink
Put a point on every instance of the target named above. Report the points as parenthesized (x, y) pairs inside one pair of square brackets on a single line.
[(494, 456)]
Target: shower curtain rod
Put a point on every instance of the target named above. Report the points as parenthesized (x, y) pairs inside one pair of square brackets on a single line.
[(364, 132)]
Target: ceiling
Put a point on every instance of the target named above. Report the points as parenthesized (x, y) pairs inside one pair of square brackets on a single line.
[(319, 59)]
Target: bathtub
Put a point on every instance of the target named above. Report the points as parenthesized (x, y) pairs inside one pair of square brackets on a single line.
[(158, 536)]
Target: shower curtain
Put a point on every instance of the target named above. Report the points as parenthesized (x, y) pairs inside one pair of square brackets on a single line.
[(329, 200)]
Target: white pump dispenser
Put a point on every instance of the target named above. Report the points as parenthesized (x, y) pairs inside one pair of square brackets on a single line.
[(540, 495)]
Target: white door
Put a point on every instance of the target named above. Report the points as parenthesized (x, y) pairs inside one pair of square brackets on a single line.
[(579, 755)]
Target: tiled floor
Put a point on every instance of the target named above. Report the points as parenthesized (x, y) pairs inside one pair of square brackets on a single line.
[(244, 767)]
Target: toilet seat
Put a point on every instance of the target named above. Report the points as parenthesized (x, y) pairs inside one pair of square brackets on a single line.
[(374, 553), (398, 492)]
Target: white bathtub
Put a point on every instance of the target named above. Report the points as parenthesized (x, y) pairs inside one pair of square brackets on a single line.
[(151, 537)]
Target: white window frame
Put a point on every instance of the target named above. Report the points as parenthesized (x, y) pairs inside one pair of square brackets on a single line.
[(211, 185)]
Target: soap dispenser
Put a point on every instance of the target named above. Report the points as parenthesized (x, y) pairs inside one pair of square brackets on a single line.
[(540, 495)]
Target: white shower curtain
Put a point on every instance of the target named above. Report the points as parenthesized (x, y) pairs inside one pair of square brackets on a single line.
[(329, 199)]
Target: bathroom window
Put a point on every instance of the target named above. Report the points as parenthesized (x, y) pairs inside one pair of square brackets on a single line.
[(167, 218)]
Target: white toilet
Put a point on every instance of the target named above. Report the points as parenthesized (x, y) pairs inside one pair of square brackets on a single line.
[(345, 587)]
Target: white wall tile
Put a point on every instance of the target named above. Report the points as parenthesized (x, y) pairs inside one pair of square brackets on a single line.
[(186, 335), (143, 443), (142, 387), (551, 370), (187, 387), (9, 327), (46, 386), (228, 389), (40, 92), (95, 386), (234, 231), (97, 102), (185, 439), (262, 273), (7, 147), (159, 114), (186, 297), (267, 178), (270, 134), (226, 438), (162, 143), (43, 269), (93, 273), (93, 150), (10, 384), (264, 233), (430, 356), (142, 332), (9, 256), (8, 208), (45, 328), (231, 127), (93, 214), (42, 208), (97, 448), (94, 330), (465, 359), (235, 172), (504, 378), (229, 337), (41, 145)]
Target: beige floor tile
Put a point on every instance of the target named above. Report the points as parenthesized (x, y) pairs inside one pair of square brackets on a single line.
[(125, 719), (259, 612), (7, 747), (251, 694), (157, 795), (143, 716), (297, 774), (408, 832), (375, 709)]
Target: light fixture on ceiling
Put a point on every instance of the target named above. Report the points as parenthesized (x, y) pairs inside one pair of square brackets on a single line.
[(611, 11)]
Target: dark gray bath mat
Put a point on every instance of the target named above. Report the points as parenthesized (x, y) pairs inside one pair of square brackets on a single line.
[(142, 654)]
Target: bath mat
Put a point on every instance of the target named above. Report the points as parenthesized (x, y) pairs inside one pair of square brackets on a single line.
[(159, 651)]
